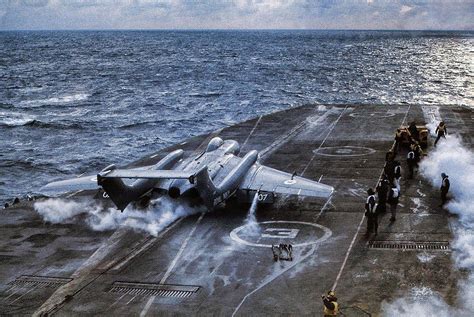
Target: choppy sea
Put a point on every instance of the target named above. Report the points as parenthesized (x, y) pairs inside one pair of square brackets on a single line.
[(75, 101)]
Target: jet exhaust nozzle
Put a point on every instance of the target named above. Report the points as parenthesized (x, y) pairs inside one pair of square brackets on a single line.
[(174, 192)]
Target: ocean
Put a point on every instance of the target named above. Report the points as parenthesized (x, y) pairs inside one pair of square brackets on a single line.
[(73, 102)]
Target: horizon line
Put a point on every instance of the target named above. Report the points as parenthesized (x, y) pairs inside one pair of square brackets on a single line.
[(238, 29)]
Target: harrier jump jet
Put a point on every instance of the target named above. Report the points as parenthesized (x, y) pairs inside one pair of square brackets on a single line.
[(210, 178)]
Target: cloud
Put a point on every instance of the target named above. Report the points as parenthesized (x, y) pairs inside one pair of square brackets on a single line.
[(405, 9), (35, 3), (274, 14)]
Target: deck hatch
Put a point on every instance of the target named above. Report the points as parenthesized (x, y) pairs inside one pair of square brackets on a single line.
[(149, 289), (39, 281), (410, 245)]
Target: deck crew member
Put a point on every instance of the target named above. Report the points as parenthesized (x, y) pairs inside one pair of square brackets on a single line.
[(389, 169), (413, 130), (371, 213), (331, 307), (393, 196), (397, 174), (416, 148), (441, 131), (411, 163), (382, 192), (389, 156), (444, 188), (398, 140)]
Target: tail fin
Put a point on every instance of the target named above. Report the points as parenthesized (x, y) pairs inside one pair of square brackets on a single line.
[(120, 193), (205, 187)]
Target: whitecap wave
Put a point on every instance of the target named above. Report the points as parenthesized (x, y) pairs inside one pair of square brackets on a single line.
[(12, 119), (65, 99)]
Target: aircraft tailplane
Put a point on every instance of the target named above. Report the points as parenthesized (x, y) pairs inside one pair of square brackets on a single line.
[(205, 187), (118, 191)]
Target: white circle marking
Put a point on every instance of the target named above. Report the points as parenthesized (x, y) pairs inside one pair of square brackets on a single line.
[(373, 114), (234, 234), (344, 151)]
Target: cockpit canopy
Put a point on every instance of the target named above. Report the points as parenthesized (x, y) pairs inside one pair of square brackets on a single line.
[(214, 144)]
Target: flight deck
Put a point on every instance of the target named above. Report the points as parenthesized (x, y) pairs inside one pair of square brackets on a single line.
[(213, 264)]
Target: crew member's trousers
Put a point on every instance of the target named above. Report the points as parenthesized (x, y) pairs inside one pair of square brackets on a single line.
[(393, 210), (372, 222)]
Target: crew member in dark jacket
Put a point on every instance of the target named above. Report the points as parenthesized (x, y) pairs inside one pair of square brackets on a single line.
[(444, 188), (371, 213), (393, 196), (411, 163), (389, 169), (382, 192), (416, 148), (413, 130), (398, 140), (331, 307), (441, 131)]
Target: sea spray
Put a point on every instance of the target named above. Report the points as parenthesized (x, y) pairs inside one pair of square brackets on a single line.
[(452, 158), (161, 213)]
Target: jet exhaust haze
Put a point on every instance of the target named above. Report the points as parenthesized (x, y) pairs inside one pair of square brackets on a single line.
[(452, 158)]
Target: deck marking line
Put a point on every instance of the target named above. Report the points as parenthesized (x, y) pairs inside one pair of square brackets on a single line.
[(251, 132), (360, 224), (323, 209), (29, 291), (10, 295), (282, 139), (347, 254), (147, 306), (118, 300), (272, 278), (130, 300), (324, 140), (144, 247), (181, 250)]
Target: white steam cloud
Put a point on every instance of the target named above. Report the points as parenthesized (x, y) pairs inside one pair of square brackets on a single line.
[(457, 162), (452, 158), (251, 224), (161, 213)]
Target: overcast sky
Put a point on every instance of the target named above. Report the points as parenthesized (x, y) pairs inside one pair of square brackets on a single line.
[(236, 14)]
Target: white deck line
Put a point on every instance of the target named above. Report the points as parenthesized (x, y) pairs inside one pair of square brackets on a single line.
[(358, 228), (324, 140), (251, 132), (181, 250)]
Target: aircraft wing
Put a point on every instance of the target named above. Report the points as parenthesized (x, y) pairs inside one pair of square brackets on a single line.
[(268, 179), (70, 185), (147, 174), (90, 182)]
